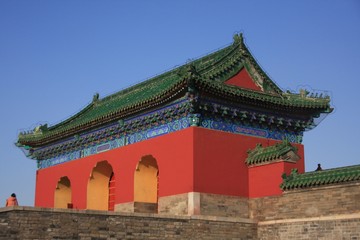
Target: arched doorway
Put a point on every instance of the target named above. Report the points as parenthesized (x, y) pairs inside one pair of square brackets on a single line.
[(146, 185), (98, 186), (62, 193)]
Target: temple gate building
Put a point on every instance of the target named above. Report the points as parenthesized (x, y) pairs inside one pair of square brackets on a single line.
[(202, 138)]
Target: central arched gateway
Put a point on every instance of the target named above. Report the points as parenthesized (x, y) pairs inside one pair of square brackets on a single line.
[(146, 185), (98, 186)]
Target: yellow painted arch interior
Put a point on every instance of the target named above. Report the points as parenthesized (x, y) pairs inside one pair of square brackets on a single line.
[(62, 193), (146, 180), (98, 186)]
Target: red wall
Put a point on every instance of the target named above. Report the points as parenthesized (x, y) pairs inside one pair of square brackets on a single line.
[(265, 180), (191, 160), (219, 165), (173, 152)]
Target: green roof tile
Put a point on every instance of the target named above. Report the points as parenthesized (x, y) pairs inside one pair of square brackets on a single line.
[(320, 178), (260, 154)]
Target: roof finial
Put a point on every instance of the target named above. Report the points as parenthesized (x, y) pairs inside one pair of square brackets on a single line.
[(96, 97), (238, 38)]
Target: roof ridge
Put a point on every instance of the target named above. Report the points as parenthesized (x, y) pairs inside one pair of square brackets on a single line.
[(261, 71), (169, 71)]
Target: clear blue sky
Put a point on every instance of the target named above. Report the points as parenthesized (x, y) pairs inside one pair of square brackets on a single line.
[(54, 55)]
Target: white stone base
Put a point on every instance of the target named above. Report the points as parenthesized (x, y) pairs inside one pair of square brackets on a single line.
[(124, 207), (195, 203)]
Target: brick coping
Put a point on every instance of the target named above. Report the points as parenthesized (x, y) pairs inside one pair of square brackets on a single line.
[(313, 219), (143, 215), (323, 187)]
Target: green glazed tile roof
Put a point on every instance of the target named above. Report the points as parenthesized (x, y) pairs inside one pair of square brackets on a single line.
[(320, 178), (262, 154), (207, 74)]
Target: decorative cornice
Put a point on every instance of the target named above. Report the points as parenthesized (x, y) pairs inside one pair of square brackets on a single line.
[(195, 110), (256, 118), (109, 132), (97, 142), (148, 124), (106, 144)]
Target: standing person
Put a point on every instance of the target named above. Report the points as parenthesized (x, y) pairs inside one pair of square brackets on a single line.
[(12, 201), (318, 168)]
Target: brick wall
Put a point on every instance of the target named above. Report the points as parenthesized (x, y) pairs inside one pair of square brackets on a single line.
[(312, 202), (36, 223), (225, 206), (331, 212), (315, 229)]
